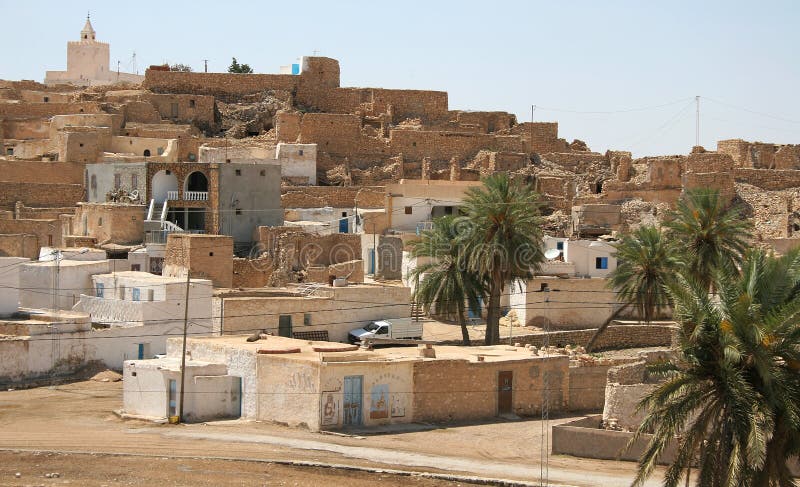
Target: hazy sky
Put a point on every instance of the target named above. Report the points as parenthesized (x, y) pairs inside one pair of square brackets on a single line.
[(574, 56)]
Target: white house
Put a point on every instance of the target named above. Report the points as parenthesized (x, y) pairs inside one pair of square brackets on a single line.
[(67, 279), (9, 284), (132, 298)]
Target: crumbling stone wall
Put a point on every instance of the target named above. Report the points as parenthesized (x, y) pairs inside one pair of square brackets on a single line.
[(333, 196), (50, 172), (115, 223), (19, 245)]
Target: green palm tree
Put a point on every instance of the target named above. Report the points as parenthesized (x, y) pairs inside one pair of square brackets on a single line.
[(732, 403), (502, 238), (442, 285), (646, 263), (711, 235)]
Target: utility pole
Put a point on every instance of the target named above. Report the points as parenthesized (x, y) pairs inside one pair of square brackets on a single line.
[(183, 354), (205, 65), (697, 122)]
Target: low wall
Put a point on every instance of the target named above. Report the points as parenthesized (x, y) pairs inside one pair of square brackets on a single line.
[(584, 438), (614, 337)]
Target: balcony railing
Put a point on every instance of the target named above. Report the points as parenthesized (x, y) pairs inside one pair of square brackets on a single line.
[(172, 195), (195, 195)]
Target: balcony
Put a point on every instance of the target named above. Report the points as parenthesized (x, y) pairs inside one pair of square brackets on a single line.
[(188, 196), (195, 195)]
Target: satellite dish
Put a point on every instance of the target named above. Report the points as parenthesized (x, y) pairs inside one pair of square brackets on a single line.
[(551, 254)]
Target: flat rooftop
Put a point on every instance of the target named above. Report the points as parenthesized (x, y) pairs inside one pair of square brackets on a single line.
[(320, 351)]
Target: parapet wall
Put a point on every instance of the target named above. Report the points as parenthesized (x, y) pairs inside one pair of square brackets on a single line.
[(31, 110), (614, 337)]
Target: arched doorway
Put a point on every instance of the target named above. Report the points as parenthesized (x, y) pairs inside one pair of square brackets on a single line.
[(147, 152), (162, 184), (196, 187)]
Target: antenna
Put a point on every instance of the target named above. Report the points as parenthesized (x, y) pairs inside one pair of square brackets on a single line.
[(205, 65), (697, 122)]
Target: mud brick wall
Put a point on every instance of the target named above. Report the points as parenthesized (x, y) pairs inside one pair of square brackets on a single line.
[(287, 126), (333, 196), (222, 85), (417, 144), (459, 390), (738, 149), (25, 129), (587, 387), (615, 337), (29, 110), (542, 137), (486, 122), (52, 172), (39, 194), (19, 245), (709, 162), (47, 232), (196, 109), (206, 257), (141, 112), (720, 181), (770, 179), (335, 133), (251, 272), (26, 212)]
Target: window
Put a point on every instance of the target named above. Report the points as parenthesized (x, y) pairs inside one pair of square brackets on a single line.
[(136, 267), (559, 245), (344, 213), (80, 145), (147, 152), (382, 330), (99, 288), (263, 172), (117, 180), (408, 210), (136, 294), (211, 254), (300, 152), (46, 99), (414, 144), (448, 210), (238, 172), (10, 151), (100, 222), (174, 108), (307, 319), (238, 211), (134, 181), (191, 103), (601, 263)]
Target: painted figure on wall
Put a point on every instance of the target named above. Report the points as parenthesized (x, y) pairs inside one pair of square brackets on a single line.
[(379, 404), (330, 410)]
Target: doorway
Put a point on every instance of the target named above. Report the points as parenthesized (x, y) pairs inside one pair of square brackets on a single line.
[(352, 399), (505, 388), (285, 326), (173, 398)]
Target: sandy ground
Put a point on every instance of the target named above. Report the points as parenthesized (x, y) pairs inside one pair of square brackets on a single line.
[(78, 418)]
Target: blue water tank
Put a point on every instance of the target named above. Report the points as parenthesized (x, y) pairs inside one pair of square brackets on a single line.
[(295, 68)]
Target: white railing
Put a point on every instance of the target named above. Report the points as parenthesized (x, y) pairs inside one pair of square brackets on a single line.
[(172, 195), (195, 195)]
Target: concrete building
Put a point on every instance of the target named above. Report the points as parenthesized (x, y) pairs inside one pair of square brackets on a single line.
[(411, 205), (129, 298), (59, 284), (228, 199), (308, 312), (88, 63), (10, 284), (569, 303), (298, 162), (325, 386)]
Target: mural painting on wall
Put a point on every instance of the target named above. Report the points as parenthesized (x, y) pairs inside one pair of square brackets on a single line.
[(379, 405), (330, 410), (398, 406)]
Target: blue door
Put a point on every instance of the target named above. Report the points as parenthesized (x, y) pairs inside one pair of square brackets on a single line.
[(372, 261), (141, 351), (344, 225), (352, 400), (172, 398)]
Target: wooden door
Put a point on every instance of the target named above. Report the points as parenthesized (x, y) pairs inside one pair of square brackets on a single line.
[(505, 387), (285, 326)]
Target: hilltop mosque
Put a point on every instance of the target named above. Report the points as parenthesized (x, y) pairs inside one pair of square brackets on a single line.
[(88, 63)]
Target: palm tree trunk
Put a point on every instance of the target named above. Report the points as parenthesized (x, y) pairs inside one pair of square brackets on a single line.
[(493, 312), (602, 328), (464, 331)]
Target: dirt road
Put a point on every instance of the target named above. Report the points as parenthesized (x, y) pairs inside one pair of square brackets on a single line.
[(77, 417)]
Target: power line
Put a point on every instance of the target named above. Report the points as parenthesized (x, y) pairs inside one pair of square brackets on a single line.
[(611, 112)]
